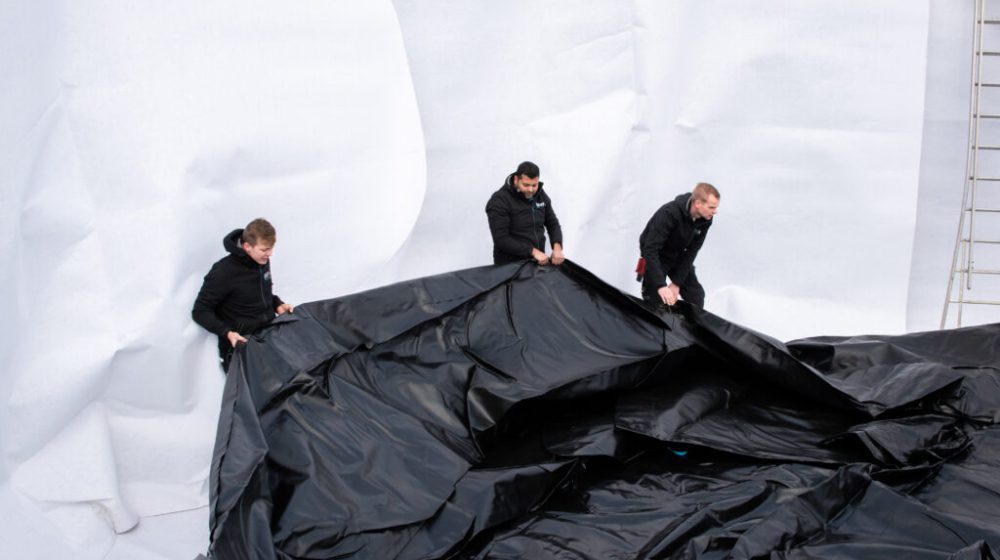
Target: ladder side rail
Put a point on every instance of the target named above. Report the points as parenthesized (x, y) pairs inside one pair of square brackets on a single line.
[(971, 192), (969, 170)]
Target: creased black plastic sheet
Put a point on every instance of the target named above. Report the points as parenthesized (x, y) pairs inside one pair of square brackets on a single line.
[(535, 412)]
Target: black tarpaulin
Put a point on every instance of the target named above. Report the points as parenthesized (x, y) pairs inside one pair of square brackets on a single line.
[(535, 412)]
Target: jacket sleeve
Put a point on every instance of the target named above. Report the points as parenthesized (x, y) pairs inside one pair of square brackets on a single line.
[(275, 301), (213, 292), (686, 262), (656, 235), (499, 219), (552, 224)]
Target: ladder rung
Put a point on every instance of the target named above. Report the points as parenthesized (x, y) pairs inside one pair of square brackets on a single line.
[(966, 240), (986, 147), (987, 116), (984, 178), (988, 53), (977, 271), (983, 209), (990, 21), (974, 302), (986, 84)]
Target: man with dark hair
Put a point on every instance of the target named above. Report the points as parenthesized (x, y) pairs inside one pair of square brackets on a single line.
[(236, 298), (519, 213), (670, 243)]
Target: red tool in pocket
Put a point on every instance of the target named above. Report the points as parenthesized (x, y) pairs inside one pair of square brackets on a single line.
[(640, 269)]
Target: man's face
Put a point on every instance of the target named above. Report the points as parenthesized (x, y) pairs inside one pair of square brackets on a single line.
[(260, 252), (705, 209), (526, 186)]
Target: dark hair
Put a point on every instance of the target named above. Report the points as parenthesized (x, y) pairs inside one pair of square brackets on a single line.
[(259, 231), (528, 169)]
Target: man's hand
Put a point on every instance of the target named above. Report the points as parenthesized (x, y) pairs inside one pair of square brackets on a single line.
[(669, 294), (235, 338), (557, 255), (284, 308), (540, 257)]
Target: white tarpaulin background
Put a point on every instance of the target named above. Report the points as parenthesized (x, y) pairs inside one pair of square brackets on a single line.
[(371, 134)]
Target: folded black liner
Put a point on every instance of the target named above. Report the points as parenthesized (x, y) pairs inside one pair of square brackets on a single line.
[(521, 411)]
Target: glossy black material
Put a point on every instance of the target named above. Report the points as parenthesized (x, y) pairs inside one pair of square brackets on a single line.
[(520, 411)]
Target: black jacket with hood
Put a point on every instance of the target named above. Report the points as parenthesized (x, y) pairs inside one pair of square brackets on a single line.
[(236, 294), (670, 243), (518, 224)]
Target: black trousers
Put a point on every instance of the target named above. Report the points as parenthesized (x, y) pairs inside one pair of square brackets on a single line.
[(691, 291)]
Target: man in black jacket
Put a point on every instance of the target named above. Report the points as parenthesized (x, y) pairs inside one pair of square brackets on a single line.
[(236, 298), (519, 213), (670, 243)]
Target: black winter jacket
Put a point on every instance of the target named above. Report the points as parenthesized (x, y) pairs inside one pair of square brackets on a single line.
[(236, 294), (518, 225), (670, 243)]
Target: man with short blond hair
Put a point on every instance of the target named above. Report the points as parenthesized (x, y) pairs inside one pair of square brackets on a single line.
[(671, 241), (236, 297)]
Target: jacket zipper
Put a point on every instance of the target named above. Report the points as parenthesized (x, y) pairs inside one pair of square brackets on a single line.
[(263, 300), (534, 226)]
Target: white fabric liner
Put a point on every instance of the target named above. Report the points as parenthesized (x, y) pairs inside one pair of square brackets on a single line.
[(371, 134)]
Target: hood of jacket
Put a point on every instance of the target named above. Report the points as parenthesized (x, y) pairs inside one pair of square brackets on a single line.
[(233, 242), (509, 186), (684, 208)]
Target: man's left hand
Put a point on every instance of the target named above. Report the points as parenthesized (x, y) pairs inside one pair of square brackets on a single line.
[(557, 255), (675, 290), (284, 308)]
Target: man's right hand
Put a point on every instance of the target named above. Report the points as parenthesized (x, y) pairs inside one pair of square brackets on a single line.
[(539, 256), (235, 338)]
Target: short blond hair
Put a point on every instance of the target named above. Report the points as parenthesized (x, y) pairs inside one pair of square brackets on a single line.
[(704, 190)]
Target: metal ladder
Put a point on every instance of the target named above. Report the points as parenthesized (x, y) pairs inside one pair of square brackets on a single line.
[(979, 221)]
